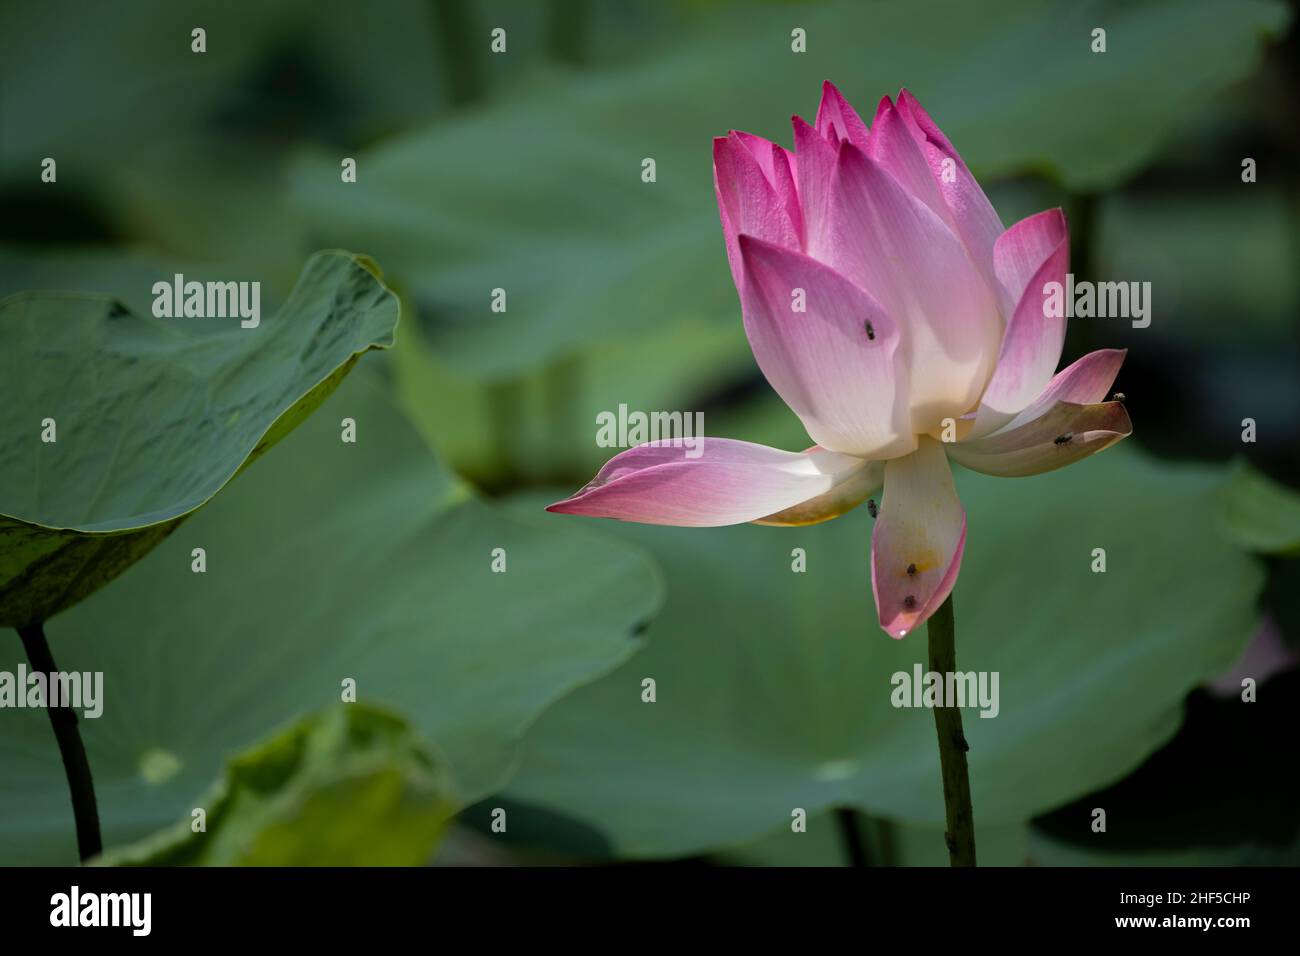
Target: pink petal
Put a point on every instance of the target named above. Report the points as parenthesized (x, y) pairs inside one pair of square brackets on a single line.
[(977, 222), (836, 364), (837, 119), (778, 166), (843, 497), (918, 540), (1021, 251), (747, 200), (759, 148), (814, 169), (902, 253), (1061, 436), (893, 146), (783, 181), (1032, 253), (730, 482), (1084, 383)]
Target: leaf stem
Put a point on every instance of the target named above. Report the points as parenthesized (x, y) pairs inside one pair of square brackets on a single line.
[(960, 834), (75, 764)]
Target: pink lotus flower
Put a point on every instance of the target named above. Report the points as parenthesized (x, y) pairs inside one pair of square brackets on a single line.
[(901, 322)]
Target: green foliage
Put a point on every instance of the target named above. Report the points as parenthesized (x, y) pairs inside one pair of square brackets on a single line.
[(1261, 514), (328, 561), (348, 787), (774, 687), (540, 192), (151, 418), (371, 562)]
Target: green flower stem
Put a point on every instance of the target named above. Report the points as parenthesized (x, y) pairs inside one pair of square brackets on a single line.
[(960, 834), (75, 764)]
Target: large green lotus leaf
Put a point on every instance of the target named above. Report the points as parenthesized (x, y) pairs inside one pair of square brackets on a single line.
[(328, 561), (540, 192), (351, 786), (152, 417), (774, 687), (125, 273), (1262, 514)]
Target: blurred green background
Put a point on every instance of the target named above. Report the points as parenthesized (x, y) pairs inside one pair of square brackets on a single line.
[(518, 697)]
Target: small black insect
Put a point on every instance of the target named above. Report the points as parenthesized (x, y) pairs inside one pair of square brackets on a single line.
[(909, 602), (911, 570), (1117, 397), (1064, 439), (871, 332), (872, 509)]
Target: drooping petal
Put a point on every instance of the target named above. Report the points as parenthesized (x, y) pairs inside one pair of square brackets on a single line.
[(747, 201), (728, 482), (1028, 256), (1061, 436), (836, 118), (918, 540), (1083, 383), (814, 168), (903, 254), (977, 222), (829, 349), (843, 497)]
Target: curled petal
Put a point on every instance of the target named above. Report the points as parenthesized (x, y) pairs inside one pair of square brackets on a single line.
[(1061, 436), (828, 349), (748, 202), (1084, 383), (918, 540), (978, 224), (729, 482), (837, 120), (1029, 255)]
